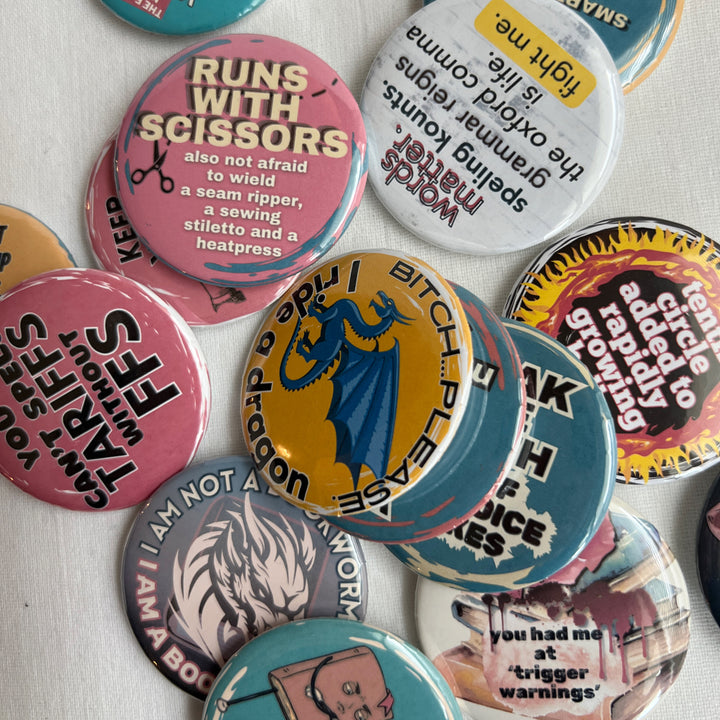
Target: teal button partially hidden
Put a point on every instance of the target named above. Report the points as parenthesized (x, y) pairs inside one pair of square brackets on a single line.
[(181, 17), (637, 33), (555, 496)]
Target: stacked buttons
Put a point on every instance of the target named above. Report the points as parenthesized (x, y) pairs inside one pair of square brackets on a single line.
[(378, 399), (405, 411), (118, 248), (480, 455), (238, 164), (537, 521), (346, 409)]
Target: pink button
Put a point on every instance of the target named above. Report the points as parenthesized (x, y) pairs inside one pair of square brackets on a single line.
[(104, 393), (241, 160), (119, 249)]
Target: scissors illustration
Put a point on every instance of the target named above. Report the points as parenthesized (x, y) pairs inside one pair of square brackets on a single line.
[(167, 184)]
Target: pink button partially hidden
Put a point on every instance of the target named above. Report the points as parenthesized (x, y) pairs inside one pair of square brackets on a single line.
[(119, 249)]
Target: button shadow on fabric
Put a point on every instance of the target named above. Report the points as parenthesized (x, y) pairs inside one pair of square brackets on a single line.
[(479, 456), (241, 160), (181, 17), (328, 668), (638, 301), (106, 391), (118, 248), (708, 550), (607, 636), (357, 381), (537, 520), (492, 124), (215, 558), (27, 248)]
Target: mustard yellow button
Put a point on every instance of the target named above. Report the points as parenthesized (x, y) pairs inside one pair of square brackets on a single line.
[(356, 382), (27, 248)]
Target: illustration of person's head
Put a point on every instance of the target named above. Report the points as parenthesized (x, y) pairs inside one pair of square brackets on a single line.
[(352, 689)]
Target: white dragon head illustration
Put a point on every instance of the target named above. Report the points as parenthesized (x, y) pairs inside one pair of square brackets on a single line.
[(241, 576)]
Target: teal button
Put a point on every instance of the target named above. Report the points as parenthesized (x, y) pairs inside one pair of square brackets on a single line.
[(181, 17), (555, 495), (330, 668)]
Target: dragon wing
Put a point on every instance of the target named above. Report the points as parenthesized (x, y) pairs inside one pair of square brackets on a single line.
[(363, 408)]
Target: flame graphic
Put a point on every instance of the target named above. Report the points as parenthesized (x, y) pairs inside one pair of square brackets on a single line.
[(579, 269)]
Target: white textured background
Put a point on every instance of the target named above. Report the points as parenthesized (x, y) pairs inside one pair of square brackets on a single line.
[(67, 71)]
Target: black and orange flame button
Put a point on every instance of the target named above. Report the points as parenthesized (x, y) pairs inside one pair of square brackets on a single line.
[(638, 301)]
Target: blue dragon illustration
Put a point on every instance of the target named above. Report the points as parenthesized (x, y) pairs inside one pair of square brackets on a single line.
[(365, 382)]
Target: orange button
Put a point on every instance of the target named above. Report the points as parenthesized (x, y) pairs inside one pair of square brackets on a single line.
[(27, 248), (357, 382)]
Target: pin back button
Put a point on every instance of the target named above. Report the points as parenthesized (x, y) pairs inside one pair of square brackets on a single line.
[(537, 521), (180, 17), (105, 391), (492, 124), (611, 630), (330, 668), (638, 301), (638, 35), (479, 456), (241, 160), (356, 382), (28, 247), (119, 249), (215, 558)]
